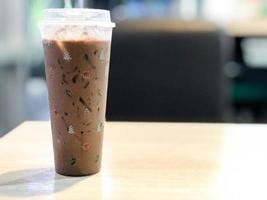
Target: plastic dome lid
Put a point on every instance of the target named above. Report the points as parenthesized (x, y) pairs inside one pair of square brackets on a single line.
[(77, 16)]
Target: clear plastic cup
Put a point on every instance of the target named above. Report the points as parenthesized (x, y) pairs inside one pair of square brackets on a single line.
[(77, 51)]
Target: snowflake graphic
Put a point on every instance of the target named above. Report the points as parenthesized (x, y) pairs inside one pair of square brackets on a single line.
[(101, 56), (86, 110), (71, 130), (99, 127), (67, 56), (51, 72)]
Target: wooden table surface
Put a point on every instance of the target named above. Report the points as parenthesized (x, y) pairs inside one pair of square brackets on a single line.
[(152, 161), (247, 28)]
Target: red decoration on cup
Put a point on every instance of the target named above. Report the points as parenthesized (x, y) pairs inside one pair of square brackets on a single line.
[(86, 146), (86, 74)]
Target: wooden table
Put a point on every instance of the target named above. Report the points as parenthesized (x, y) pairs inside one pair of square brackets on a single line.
[(152, 161), (247, 28)]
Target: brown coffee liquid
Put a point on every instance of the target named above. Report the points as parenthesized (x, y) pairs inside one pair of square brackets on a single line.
[(76, 73)]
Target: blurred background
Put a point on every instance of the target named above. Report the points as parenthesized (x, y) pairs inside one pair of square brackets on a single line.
[(172, 60)]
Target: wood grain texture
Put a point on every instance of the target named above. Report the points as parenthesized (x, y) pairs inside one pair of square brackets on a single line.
[(142, 161)]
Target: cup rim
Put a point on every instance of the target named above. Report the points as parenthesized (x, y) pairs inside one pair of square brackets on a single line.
[(76, 16)]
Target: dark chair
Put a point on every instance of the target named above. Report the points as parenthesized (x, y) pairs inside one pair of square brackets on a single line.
[(166, 74)]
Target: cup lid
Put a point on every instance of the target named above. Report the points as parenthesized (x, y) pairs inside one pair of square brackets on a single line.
[(77, 16)]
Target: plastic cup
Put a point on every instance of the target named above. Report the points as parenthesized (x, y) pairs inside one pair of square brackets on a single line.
[(76, 46)]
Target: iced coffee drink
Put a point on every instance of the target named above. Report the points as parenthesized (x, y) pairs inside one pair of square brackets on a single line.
[(76, 63)]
